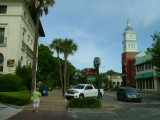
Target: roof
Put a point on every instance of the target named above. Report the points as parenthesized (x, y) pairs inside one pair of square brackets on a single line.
[(128, 28), (142, 57), (32, 10), (141, 53), (143, 60)]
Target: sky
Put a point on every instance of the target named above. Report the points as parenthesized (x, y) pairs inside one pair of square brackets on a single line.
[(96, 26)]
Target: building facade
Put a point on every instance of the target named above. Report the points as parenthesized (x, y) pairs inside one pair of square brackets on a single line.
[(115, 79), (17, 31), (129, 51), (137, 71), (146, 77)]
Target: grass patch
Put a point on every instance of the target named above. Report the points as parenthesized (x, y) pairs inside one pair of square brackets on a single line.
[(15, 98), (85, 103)]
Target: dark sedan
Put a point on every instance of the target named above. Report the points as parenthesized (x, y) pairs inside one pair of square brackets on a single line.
[(128, 94)]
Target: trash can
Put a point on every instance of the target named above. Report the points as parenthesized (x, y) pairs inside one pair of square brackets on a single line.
[(44, 90)]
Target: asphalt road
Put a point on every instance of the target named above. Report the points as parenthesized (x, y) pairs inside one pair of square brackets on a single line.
[(148, 98), (149, 109)]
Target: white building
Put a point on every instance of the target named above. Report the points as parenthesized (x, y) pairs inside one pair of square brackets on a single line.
[(146, 77), (17, 31), (115, 79)]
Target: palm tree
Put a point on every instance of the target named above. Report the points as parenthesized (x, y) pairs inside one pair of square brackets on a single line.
[(40, 7), (57, 45), (69, 47), (70, 72)]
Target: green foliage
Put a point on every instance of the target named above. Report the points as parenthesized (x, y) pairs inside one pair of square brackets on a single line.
[(25, 73), (155, 51), (15, 98), (85, 103), (48, 69), (10, 82)]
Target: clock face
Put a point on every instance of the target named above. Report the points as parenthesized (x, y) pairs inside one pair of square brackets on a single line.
[(131, 36)]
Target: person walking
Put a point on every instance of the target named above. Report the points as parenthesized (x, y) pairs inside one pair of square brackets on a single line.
[(36, 95)]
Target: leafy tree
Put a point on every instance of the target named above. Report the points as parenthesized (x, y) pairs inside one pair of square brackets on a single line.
[(69, 47), (40, 6), (47, 67), (79, 77), (154, 51)]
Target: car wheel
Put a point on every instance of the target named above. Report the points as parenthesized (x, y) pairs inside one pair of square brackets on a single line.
[(81, 96)]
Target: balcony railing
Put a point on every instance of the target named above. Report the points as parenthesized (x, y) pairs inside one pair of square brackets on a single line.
[(27, 49)]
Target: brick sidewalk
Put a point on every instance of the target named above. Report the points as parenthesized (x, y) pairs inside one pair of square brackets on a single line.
[(52, 107)]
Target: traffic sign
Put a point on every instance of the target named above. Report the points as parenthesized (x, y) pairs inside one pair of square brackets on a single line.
[(91, 78)]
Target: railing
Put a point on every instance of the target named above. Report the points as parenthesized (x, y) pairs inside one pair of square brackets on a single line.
[(27, 49)]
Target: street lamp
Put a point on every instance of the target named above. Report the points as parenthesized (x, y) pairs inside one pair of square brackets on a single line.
[(97, 63)]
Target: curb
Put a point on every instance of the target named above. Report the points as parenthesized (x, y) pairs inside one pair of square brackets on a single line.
[(13, 106)]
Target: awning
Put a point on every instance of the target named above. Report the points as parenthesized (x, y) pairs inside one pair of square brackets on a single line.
[(144, 75), (148, 75), (138, 76)]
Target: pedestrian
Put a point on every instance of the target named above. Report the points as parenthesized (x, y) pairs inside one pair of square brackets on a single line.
[(36, 95)]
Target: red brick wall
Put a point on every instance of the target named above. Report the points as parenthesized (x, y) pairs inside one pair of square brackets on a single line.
[(128, 69)]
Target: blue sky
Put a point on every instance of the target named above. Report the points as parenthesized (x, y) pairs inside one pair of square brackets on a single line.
[(96, 26)]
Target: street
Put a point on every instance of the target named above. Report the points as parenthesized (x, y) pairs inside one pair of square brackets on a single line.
[(147, 110)]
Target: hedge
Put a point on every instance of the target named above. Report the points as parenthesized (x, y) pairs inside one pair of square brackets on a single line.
[(10, 82), (15, 98), (85, 103)]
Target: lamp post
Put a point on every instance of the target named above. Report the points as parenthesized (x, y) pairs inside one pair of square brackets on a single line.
[(97, 63)]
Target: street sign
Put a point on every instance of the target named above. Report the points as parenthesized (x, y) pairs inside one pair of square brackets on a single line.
[(90, 72), (91, 78)]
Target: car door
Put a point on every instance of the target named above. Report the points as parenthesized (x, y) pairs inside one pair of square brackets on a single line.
[(89, 91)]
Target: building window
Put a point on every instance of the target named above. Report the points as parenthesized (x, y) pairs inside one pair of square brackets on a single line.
[(2, 35), (1, 62), (3, 9)]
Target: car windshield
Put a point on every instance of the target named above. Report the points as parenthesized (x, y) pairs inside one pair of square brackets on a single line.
[(79, 87), (131, 90)]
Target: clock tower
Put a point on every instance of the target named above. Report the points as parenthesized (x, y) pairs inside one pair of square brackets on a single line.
[(129, 51), (129, 39)]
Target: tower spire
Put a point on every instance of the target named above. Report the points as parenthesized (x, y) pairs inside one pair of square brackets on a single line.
[(128, 22)]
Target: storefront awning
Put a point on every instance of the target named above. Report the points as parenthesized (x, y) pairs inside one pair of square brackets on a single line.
[(138, 76), (144, 75)]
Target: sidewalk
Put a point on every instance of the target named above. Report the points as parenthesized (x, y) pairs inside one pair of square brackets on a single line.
[(52, 107)]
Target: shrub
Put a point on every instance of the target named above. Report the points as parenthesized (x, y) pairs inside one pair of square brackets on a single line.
[(10, 82), (85, 103), (25, 73), (15, 98)]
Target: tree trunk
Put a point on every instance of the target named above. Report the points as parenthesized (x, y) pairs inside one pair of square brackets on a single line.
[(60, 74), (68, 80), (65, 72), (34, 64)]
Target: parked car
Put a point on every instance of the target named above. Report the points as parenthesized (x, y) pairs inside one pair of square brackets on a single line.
[(128, 94), (82, 91)]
